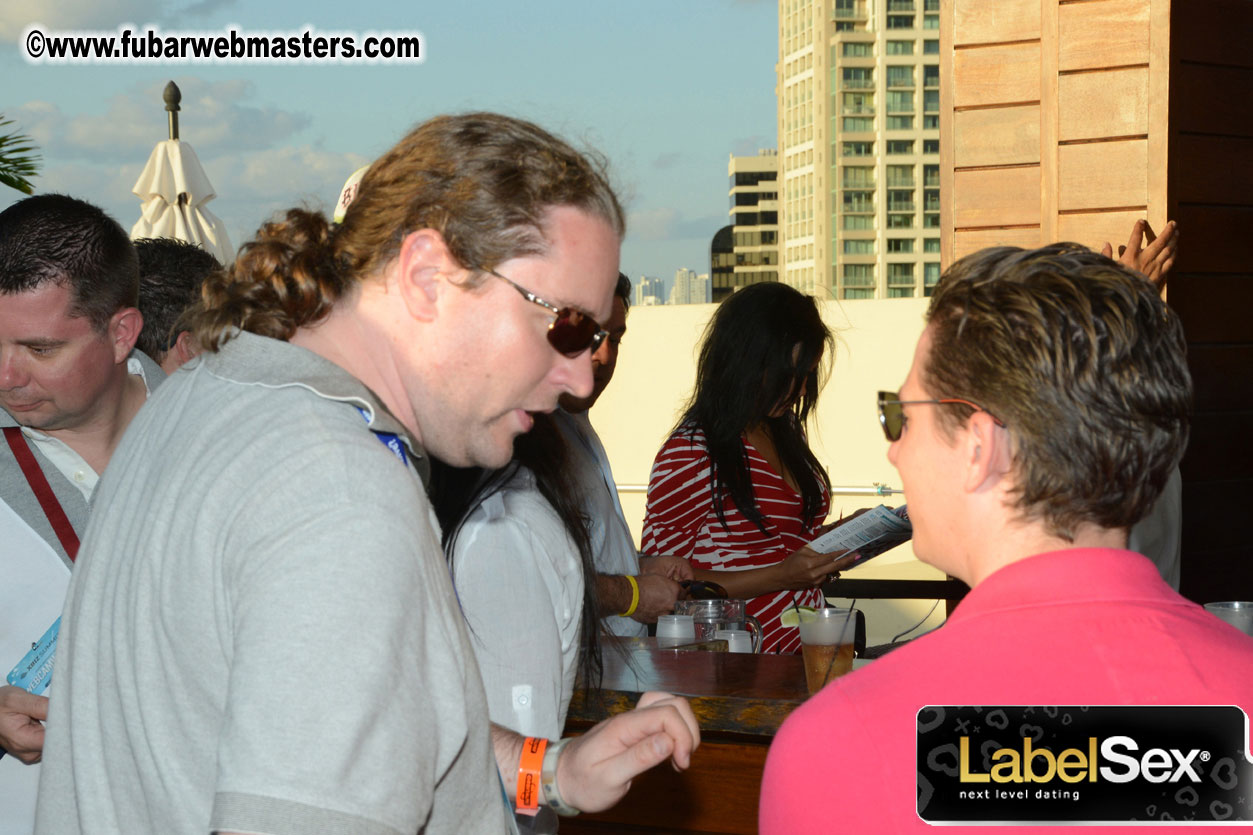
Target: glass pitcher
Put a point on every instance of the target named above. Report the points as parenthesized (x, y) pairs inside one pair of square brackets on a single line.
[(711, 615)]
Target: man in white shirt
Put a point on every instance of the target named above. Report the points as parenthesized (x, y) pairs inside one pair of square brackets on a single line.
[(633, 590), (69, 385)]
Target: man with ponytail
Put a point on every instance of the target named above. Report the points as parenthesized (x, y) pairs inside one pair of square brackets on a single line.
[(278, 647)]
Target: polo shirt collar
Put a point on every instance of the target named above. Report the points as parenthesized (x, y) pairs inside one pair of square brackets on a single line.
[(1073, 575), (249, 359)]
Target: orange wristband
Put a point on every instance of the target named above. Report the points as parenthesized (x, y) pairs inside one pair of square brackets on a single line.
[(530, 764)]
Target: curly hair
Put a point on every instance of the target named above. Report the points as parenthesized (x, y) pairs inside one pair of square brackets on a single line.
[(483, 181), (1085, 365)]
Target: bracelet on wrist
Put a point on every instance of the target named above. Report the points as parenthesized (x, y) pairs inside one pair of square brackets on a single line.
[(548, 778), (530, 767), (635, 596)]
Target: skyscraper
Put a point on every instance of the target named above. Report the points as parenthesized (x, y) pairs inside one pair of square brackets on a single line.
[(722, 262), (649, 291), (690, 288), (755, 222), (858, 114)]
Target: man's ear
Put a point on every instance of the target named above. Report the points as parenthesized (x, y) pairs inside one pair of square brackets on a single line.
[(180, 352), (422, 271), (988, 457), (123, 332)]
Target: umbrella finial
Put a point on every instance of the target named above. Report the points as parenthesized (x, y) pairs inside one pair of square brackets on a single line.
[(172, 96)]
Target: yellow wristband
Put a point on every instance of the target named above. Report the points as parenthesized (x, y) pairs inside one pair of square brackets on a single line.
[(635, 596)]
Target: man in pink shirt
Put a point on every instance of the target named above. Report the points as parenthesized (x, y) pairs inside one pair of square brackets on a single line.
[(1046, 407)]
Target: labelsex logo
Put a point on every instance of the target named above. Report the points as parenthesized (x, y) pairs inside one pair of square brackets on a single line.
[(1072, 765)]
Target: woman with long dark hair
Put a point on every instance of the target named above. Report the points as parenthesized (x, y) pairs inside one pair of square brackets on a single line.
[(521, 563), (736, 488)]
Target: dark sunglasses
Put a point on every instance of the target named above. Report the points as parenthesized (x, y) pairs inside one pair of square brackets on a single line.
[(892, 416), (572, 332)]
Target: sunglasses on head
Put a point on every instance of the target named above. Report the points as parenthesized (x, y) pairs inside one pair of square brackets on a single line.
[(571, 332), (892, 416)]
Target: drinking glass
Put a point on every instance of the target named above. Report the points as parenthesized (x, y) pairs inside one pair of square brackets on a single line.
[(827, 644)]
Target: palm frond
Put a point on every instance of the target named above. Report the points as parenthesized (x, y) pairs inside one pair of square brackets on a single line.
[(19, 159)]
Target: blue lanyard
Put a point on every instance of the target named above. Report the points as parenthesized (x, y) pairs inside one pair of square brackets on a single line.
[(388, 439), (397, 446)]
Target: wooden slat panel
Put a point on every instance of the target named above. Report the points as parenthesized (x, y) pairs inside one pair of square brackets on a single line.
[(1111, 33), (1208, 99), (1103, 104), (1216, 31), (997, 136), (1159, 130), (1095, 229), (1222, 377), (1048, 121), (1103, 174), (1213, 234), (996, 197), (996, 75), (1213, 169), (979, 21), (1218, 449), (1225, 574), (947, 145), (1205, 504), (977, 239), (1214, 308)]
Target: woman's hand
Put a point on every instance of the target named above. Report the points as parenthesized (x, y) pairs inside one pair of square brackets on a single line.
[(807, 569)]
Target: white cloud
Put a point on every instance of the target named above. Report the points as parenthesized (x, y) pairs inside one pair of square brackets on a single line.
[(670, 224), (652, 224), (253, 186), (98, 184), (285, 173), (214, 117), (16, 15), (669, 160), (747, 146), (203, 8)]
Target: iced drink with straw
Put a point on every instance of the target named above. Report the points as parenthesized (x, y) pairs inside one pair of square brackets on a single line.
[(826, 644)]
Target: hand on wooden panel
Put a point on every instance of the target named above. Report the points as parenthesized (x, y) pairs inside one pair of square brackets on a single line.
[(1148, 253)]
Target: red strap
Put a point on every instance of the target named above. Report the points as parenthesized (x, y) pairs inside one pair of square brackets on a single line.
[(43, 490)]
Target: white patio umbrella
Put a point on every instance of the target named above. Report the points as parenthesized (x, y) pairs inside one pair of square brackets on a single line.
[(174, 190)]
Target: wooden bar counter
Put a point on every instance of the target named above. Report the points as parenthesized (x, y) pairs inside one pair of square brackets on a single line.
[(739, 700)]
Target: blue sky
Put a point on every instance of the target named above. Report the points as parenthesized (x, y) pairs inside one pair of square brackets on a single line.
[(666, 89)]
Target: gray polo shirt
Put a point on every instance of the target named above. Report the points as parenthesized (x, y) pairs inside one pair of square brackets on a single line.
[(261, 634)]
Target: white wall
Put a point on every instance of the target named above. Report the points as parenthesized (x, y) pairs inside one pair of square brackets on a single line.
[(874, 346)]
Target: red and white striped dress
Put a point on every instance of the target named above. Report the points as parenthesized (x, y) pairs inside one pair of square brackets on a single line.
[(680, 519)]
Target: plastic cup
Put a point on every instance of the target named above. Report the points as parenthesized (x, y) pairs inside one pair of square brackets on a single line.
[(1238, 613), (673, 630), (827, 644), (738, 640)]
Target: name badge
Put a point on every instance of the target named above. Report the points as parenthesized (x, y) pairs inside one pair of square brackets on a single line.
[(34, 672)]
